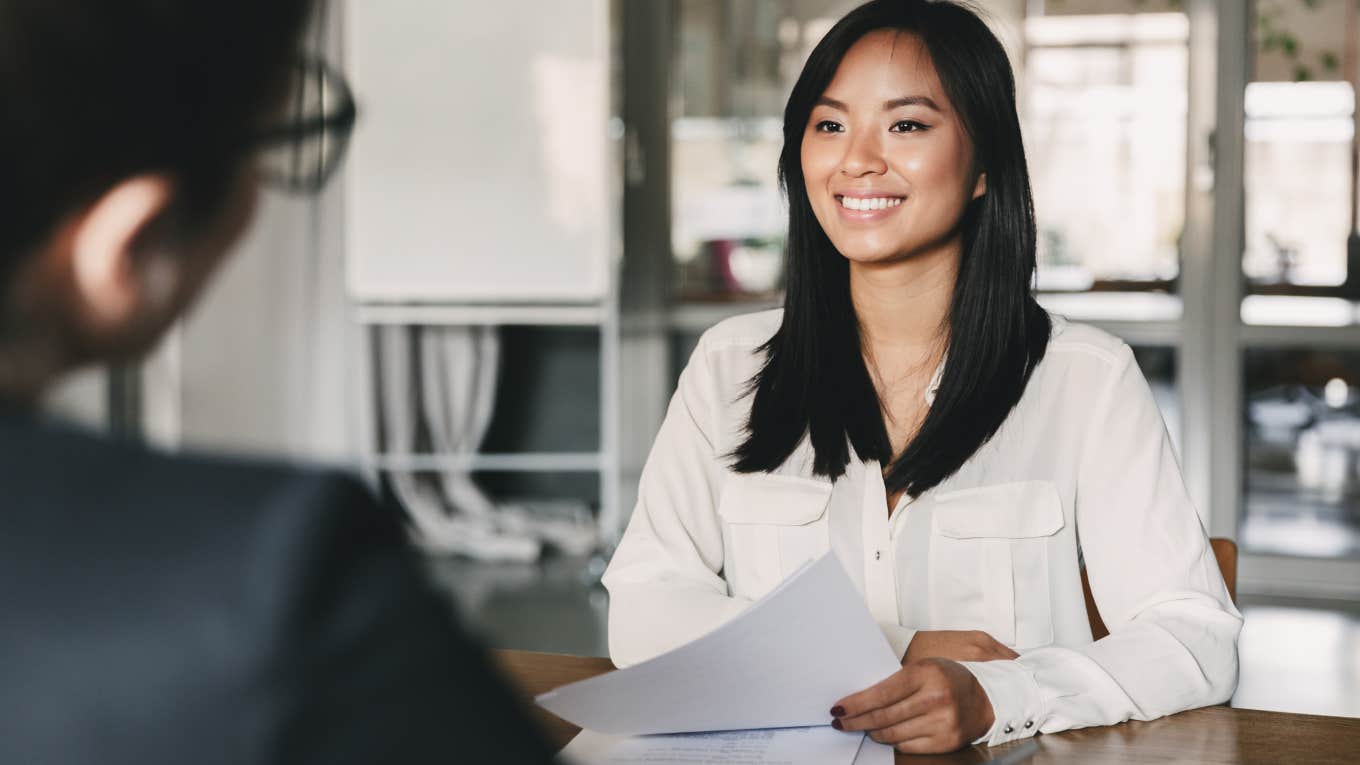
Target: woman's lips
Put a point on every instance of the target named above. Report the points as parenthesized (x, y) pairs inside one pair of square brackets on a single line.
[(867, 209)]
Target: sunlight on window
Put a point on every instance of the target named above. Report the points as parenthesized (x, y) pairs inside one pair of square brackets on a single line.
[(1298, 311), (1104, 116), (1297, 177)]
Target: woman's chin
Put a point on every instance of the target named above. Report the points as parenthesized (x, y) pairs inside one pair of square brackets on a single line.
[(868, 255)]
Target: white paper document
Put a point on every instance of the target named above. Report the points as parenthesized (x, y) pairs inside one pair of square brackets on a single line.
[(822, 745), (781, 663), (873, 753)]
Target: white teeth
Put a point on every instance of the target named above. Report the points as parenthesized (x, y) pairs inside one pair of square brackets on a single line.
[(874, 203)]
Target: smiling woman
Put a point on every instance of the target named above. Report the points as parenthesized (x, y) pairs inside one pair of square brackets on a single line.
[(861, 163), (896, 251), (914, 412)]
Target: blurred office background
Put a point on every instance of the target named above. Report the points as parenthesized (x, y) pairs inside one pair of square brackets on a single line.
[(546, 204)]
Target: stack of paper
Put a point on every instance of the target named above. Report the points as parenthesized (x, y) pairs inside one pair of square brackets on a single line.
[(774, 746), (771, 675)]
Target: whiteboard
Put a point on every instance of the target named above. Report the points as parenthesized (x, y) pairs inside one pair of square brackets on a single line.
[(481, 166)]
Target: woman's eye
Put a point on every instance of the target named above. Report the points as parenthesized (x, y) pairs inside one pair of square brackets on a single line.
[(827, 126), (907, 126)]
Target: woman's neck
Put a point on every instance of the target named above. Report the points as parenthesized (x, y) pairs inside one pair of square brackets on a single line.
[(903, 306)]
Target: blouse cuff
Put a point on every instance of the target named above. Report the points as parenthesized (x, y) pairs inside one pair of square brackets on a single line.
[(899, 638), (1016, 701)]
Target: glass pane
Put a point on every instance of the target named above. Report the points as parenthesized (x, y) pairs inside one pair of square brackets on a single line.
[(734, 66), (1303, 453), (1158, 365), (1104, 109), (1299, 129)]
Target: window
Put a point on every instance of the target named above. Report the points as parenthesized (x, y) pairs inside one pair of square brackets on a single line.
[(1299, 131), (1302, 452), (1104, 110)]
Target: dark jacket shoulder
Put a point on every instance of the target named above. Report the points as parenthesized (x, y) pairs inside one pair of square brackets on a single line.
[(189, 607)]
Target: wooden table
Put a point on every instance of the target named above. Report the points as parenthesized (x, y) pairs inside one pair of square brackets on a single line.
[(1211, 735)]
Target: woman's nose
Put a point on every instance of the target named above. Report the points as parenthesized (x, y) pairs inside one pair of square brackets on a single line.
[(863, 156)]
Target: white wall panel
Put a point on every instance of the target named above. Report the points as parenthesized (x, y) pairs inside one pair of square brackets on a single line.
[(480, 164)]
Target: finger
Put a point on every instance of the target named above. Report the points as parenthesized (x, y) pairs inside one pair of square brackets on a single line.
[(929, 744), (916, 728), (931, 733), (897, 686), (887, 716)]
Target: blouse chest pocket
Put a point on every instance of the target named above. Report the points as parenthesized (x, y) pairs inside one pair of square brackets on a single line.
[(771, 526), (989, 561)]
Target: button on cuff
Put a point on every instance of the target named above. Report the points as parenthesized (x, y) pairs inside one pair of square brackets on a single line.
[(1016, 701)]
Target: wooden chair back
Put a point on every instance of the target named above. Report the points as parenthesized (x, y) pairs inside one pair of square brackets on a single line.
[(1225, 551)]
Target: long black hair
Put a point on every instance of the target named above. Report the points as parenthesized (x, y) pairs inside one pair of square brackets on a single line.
[(814, 382)]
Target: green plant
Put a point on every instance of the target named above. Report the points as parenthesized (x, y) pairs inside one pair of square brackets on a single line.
[(1273, 36)]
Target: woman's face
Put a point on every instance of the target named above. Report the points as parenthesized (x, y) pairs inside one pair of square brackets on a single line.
[(887, 162)]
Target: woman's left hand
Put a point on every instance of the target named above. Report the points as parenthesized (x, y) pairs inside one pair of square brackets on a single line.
[(926, 707)]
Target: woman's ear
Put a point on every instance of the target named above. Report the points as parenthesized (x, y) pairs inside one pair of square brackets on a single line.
[(980, 187), (111, 276)]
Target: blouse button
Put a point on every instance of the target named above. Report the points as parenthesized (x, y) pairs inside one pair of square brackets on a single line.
[(877, 554), (1029, 724), (1008, 729)]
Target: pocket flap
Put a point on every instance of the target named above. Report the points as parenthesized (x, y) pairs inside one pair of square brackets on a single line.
[(773, 499), (1007, 511)]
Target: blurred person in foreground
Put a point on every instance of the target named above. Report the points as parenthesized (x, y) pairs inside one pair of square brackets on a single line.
[(160, 608)]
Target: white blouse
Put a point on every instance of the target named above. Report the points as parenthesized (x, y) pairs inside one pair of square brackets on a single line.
[(1082, 469)]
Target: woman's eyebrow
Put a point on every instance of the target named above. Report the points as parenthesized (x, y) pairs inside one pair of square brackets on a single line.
[(911, 101), (888, 106)]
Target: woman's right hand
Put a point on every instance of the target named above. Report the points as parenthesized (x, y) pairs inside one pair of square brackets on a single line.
[(957, 645)]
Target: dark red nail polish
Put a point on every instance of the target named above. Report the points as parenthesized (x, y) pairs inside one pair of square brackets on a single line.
[(837, 725), (838, 711)]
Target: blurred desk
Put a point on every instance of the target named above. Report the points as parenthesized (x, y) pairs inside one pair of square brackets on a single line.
[(1211, 735)]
